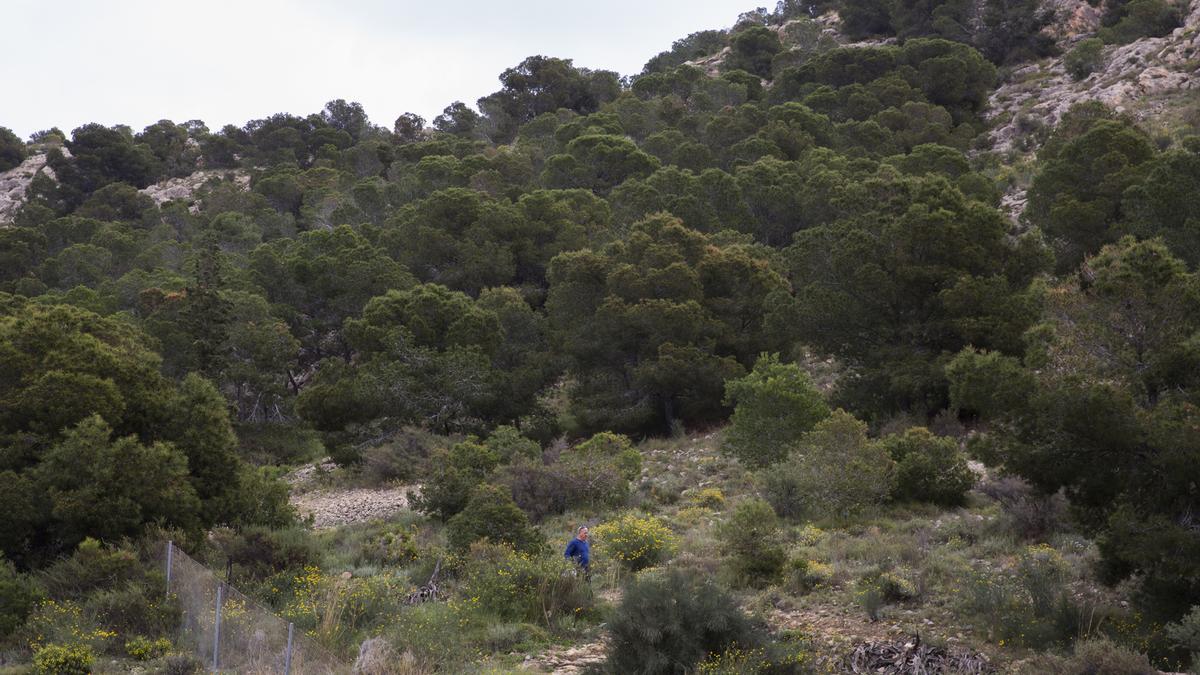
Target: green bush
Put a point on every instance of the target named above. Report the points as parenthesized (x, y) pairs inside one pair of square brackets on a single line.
[(615, 447), (750, 538), (1101, 657), (669, 623), (1139, 18), (258, 553), (90, 567), (574, 481), (636, 543), (1084, 58), (491, 514), (773, 407), (403, 458), (18, 594), (455, 474), (519, 586), (135, 607), (63, 660), (835, 471), (929, 468), (1030, 606), (507, 444), (180, 664), (141, 648), (1185, 634)]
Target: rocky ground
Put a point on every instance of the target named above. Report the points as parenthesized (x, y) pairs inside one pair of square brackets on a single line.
[(336, 506)]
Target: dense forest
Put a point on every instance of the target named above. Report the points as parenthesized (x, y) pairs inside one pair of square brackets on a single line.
[(787, 236)]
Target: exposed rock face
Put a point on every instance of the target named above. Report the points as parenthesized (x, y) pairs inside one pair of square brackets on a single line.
[(1072, 17), (184, 188), (1134, 79), (15, 181)]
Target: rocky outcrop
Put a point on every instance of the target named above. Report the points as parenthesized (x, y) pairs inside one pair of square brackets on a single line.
[(186, 187), (16, 181), (1141, 78)]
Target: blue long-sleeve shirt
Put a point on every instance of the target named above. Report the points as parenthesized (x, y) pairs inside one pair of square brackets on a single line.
[(579, 551)]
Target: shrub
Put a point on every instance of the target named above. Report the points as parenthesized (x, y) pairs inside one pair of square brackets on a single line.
[(91, 566), (709, 498), (1101, 657), (929, 468), (259, 552), (776, 659), (1084, 58), (395, 546), (133, 608), (508, 444), (802, 576), (750, 538), (835, 471), (180, 664), (575, 481), (278, 443), (401, 459), (455, 475), (490, 513), (1139, 18), (1030, 515), (636, 543), (876, 588), (143, 648), (1185, 634), (519, 586), (1031, 607), (614, 446), (670, 623), (773, 407), (63, 660), (17, 598)]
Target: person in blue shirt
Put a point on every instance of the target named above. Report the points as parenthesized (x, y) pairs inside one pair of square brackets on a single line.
[(580, 551)]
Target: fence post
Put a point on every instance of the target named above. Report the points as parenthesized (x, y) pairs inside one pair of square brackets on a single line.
[(217, 628), (170, 555), (287, 659)]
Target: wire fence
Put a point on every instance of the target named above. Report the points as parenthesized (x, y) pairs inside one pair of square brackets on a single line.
[(232, 633)]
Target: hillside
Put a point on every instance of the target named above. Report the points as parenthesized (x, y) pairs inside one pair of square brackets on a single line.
[(863, 335)]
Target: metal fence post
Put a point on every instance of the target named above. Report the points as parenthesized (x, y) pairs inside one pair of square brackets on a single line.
[(217, 629), (170, 556), (287, 659)]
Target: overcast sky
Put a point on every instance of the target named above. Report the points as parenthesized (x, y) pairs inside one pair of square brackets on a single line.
[(68, 62)]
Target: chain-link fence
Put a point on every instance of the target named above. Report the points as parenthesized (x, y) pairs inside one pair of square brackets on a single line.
[(234, 634)]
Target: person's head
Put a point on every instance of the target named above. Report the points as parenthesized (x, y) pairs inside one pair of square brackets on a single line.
[(582, 533)]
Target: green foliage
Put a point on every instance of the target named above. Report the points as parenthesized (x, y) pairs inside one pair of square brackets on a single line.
[(635, 543), (835, 470), (752, 50), (507, 444), (1185, 633), (1029, 607), (615, 447), (671, 622), (63, 660), (750, 538), (141, 648), (1127, 20), (655, 325), (519, 586), (12, 149), (542, 84), (696, 45), (491, 514), (1113, 353), (1084, 58), (929, 468), (1103, 657), (456, 473), (1086, 166), (575, 481), (18, 594), (773, 407)]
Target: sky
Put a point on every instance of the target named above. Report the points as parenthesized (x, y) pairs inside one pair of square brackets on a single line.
[(65, 63)]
